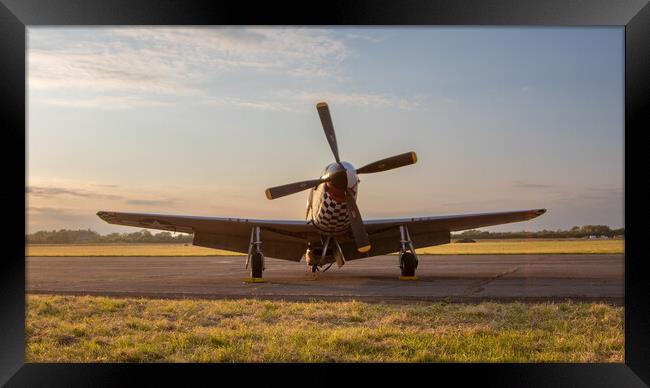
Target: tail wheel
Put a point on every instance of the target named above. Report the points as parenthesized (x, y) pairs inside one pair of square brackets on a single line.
[(409, 263), (256, 265)]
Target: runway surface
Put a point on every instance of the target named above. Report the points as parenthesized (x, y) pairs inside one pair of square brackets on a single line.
[(441, 277)]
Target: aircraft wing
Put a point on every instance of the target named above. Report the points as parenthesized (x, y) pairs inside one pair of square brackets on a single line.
[(454, 222), (287, 239), (281, 239), (427, 231)]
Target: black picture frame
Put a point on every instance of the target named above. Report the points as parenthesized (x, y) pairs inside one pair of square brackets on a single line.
[(16, 15)]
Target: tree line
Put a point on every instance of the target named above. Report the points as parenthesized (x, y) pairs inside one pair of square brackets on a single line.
[(87, 236), (584, 231)]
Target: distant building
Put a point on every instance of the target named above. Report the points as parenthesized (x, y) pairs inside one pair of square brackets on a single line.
[(592, 237)]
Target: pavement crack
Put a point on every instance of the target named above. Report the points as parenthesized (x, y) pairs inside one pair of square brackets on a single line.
[(480, 286)]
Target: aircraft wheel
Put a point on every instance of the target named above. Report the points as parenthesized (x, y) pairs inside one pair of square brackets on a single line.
[(256, 265), (408, 264)]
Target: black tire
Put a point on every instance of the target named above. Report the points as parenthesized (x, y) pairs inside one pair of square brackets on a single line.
[(256, 265), (408, 264)]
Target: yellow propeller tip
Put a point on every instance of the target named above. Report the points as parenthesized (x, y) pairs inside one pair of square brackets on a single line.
[(321, 104), (268, 194), (364, 249), (414, 156)]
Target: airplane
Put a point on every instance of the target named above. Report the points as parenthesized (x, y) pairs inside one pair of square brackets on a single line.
[(333, 230)]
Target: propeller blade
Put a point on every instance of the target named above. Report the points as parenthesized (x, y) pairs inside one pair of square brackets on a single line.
[(291, 188), (326, 120), (389, 163), (356, 224)]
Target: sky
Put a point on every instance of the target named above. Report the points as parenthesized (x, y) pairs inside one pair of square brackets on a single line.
[(201, 120)]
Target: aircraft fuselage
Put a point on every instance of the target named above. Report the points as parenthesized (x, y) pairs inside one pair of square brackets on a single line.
[(327, 206)]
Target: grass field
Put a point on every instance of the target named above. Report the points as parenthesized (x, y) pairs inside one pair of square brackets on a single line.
[(123, 250), (99, 329), (480, 247), (537, 246)]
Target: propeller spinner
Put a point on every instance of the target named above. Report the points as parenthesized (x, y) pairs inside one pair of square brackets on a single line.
[(344, 178)]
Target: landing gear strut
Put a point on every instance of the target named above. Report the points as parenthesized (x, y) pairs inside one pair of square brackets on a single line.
[(408, 261), (255, 256)]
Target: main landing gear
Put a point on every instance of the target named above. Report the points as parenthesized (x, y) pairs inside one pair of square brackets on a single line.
[(408, 264), (255, 257), (257, 265), (408, 261)]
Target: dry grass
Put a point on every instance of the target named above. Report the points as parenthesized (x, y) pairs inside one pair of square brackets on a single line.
[(98, 329), (532, 246), (480, 247), (123, 250)]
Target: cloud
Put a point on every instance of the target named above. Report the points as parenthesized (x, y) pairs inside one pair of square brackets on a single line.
[(151, 202), (574, 195), (57, 194), (49, 192), (126, 67), (295, 101), (527, 185), (257, 104), (368, 38), (100, 68), (177, 61), (106, 102), (109, 186), (590, 196), (54, 211), (312, 52), (368, 100)]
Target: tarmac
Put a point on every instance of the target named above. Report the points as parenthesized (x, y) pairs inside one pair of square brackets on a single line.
[(453, 278)]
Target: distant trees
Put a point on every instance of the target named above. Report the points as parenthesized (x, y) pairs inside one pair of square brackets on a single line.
[(575, 232), (88, 236), (64, 236)]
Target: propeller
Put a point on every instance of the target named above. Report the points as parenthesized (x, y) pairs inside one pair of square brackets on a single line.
[(326, 120), (356, 224), (389, 163), (292, 188), (339, 179)]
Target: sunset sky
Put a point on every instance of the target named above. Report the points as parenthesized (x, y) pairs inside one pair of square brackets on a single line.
[(201, 121)]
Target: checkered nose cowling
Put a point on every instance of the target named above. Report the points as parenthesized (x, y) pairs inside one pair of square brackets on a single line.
[(332, 216)]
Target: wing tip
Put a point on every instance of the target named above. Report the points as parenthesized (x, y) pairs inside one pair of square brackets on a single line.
[(537, 212), (106, 216)]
